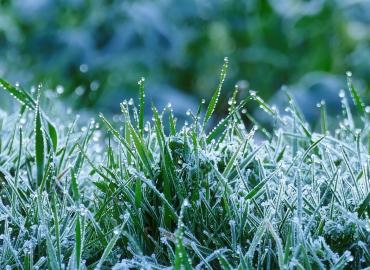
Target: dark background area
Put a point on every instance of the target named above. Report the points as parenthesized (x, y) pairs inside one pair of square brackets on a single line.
[(94, 52)]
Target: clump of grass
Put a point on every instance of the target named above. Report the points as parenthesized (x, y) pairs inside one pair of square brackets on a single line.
[(160, 196)]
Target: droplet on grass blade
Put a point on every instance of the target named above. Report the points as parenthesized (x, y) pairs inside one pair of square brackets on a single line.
[(342, 94), (252, 93), (60, 89)]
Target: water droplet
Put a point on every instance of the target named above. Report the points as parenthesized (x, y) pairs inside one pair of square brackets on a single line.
[(141, 81), (349, 73), (186, 203), (60, 89), (80, 90), (94, 85), (163, 239), (252, 93), (126, 216), (342, 94), (242, 85), (84, 68), (203, 101)]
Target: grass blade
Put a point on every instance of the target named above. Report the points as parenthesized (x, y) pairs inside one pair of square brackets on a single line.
[(39, 145), (216, 95), (359, 104), (141, 105), (116, 234)]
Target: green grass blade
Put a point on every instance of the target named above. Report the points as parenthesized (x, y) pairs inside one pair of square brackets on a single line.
[(172, 122), (359, 104), (182, 260), (364, 206), (141, 150), (138, 193), (216, 95), (53, 135), (19, 94), (51, 252), (108, 249), (54, 206), (115, 133), (225, 263), (141, 105), (74, 187), (39, 145), (219, 128), (78, 243), (245, 161)]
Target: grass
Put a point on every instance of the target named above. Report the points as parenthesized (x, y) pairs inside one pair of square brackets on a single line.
[(155, 195)]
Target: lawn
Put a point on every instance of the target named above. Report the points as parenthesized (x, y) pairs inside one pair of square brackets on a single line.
[(138, 194)]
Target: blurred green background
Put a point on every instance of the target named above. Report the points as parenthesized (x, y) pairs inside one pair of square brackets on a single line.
[(93, 52)]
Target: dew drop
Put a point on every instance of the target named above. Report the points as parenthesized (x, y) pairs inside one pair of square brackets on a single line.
[(84, 68), (60, 89), (94, 85), (186, 203), (342, 93), (80, 90), (252, 93), (141, 81), (22, 121)]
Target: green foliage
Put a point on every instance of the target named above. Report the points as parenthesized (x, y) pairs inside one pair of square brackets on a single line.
[(153, 195), (96, 48)]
